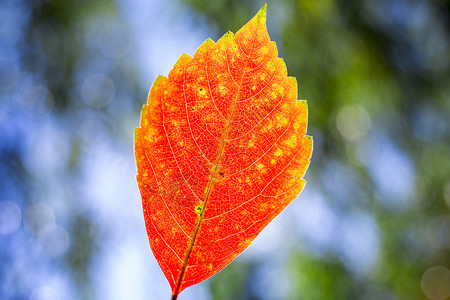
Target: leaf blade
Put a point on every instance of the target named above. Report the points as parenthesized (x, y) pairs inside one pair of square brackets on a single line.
[(221, 151)]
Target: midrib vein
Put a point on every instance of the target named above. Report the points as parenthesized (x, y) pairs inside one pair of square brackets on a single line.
[(211, 179)]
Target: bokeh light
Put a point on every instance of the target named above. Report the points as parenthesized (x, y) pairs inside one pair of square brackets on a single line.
[(114, 40), (436, 283), (10, 217), (353, 122), (44, 293), (98, 90), (36, 101), (53, 240), (446, 193)]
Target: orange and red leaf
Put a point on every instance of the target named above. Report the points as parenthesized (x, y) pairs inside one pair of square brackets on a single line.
[(221, 150)]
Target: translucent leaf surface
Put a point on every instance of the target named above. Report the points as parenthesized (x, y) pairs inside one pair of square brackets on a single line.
[(221, 150)]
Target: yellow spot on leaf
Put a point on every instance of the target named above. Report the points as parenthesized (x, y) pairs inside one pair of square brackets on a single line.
[(279, 152), (289, 143), (292, 141), (222, 89), (282, 120), (199, 208), (201, 90)]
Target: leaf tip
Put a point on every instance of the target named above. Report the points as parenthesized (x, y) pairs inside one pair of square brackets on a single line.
[(260, 18), (262, 14), (263, 11), (183, 59), (158, 79)]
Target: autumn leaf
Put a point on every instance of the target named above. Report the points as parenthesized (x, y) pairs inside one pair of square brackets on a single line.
[(221, 150)]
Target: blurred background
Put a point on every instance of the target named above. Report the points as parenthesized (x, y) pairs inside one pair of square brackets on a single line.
[(373, 221)]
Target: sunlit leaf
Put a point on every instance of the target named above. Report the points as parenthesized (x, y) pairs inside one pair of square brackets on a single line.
[(221, 150)]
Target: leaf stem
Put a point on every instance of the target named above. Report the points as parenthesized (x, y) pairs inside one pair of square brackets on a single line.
[(174, 297)]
